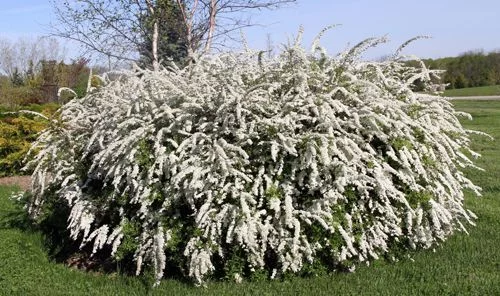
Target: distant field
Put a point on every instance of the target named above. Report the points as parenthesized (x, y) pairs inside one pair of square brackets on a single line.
[(493, 90), (463, 265)]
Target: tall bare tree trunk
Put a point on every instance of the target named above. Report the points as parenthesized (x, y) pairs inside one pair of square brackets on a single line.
[(188, 17), (156, 63), (154, 39), (189, 39), (211, 25), (89, 81)]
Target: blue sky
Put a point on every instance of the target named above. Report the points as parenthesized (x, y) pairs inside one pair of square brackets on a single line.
[(456, 26), (26, 18)]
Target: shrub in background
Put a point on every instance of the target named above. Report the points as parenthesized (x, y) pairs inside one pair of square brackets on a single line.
[(238, 165), (13, 96), (17, 132)]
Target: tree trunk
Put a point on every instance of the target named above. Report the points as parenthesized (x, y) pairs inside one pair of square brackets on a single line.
[(156, 63), (154, 39), (211, 25)]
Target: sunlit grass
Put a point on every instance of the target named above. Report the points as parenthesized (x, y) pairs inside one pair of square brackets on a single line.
[(492, 90)]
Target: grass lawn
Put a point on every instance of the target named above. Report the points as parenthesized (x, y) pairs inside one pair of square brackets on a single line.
[(493, 90), (463, 265)]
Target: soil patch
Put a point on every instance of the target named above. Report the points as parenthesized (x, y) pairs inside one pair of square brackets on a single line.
[(24, 182)]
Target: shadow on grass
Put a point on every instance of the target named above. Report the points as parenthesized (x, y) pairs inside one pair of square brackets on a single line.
[(14, 216), (62, 249), (17, 219)]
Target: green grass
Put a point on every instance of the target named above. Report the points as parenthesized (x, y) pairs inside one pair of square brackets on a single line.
[(463, 265), (492, 90)]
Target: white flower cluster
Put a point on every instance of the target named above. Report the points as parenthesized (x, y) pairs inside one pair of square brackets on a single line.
[(284, 158)]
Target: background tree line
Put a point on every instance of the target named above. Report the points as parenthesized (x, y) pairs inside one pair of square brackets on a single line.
[(32, 70), (470, 69)]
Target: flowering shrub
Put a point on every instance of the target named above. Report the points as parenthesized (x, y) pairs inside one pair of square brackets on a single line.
[(238, 165)]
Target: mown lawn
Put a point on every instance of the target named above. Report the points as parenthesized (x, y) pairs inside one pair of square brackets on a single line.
[(493, 90), (463, 265)]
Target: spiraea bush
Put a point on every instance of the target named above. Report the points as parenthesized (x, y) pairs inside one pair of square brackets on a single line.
[(240, 165)]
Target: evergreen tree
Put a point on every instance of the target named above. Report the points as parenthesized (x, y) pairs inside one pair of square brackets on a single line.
[(17, 79), (172, 43)]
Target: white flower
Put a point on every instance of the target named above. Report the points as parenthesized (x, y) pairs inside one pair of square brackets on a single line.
[(237, 278), (263, 155)]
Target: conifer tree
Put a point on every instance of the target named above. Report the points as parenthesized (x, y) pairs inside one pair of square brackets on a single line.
[(172, 44)]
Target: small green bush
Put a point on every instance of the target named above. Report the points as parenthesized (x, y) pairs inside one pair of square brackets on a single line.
[(239, 166), (17, 132), (19, 95)]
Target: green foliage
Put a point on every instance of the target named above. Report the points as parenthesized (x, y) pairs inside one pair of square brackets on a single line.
[(13, 96), (471, 69), (16, 78), (419, 198), (172, 43), (74, 75), (131, 232), (399, 143), (143, 156), (17, 132), (414, 110), (40, 86)]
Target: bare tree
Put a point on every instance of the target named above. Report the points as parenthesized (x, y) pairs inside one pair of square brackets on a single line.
[(208, 20), (269, 46), (116, 28), (154, 38), (108, 28), (25, 55)]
